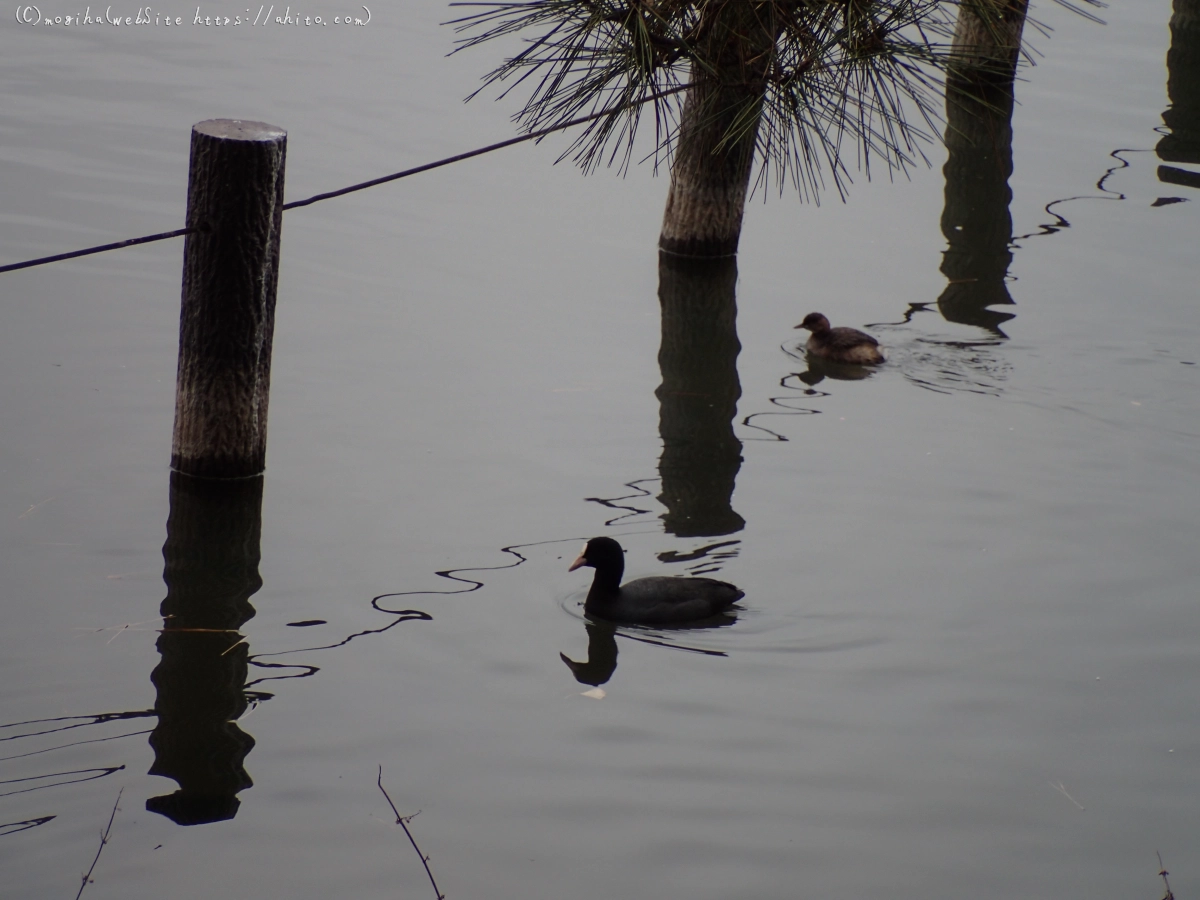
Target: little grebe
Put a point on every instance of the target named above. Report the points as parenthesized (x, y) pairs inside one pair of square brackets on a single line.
[(844, 345)]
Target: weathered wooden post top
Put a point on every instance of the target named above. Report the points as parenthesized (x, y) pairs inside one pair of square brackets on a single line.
[(230, 275)]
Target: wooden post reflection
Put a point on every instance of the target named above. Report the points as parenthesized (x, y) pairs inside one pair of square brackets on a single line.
[(1182, 144), (211, 570), (976, 220), (698, 396)]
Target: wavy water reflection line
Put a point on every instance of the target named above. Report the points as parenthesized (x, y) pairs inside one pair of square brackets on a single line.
[(104, 772), (784, 402), (404, 615), (306, 671), (96, 719), (712, 560), (776, 437), (675, 556), (913, 309), (23, 825), (77, 721), (474, 584), (631, 511), (115, 737), (668, 556), (1061, 221)]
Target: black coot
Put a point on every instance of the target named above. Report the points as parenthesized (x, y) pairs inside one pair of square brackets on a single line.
[(844, 345), (657, 600)]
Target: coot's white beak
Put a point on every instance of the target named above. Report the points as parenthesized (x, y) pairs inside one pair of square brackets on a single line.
[(580, 561)]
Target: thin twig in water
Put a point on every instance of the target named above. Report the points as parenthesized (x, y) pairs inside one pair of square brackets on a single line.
[(35, 506), (403, 821), (87, 878), (1062, 790), (1162, 871)]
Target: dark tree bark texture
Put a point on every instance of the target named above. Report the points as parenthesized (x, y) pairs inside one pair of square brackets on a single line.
[(711, 172)]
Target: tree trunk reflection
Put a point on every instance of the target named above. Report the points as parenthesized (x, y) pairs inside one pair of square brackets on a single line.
[(1182, 144), (698, 396), (976, 220)]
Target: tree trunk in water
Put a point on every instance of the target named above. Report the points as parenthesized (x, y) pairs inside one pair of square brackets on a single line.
[(991, 45), (976, 220), (708, 181), (718, 130)]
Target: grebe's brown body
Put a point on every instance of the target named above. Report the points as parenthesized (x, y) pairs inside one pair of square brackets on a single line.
[(844, 345)]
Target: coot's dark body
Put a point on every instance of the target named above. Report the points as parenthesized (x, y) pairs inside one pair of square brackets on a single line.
[(657, 600), (844, 345)]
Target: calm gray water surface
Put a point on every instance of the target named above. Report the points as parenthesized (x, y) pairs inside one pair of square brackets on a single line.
[(967, 660)]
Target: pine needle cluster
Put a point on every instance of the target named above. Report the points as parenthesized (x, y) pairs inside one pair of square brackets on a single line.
[(818, 83)]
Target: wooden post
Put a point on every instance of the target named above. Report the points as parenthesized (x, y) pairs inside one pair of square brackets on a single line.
[(230, 274)]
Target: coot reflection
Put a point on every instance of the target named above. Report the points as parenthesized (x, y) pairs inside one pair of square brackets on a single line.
[(601, 660), (602, 655)]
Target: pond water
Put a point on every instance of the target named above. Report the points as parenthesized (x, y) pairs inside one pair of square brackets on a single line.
[(967, 658)]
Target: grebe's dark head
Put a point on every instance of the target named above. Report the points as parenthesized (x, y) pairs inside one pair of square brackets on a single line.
[(815, 322)]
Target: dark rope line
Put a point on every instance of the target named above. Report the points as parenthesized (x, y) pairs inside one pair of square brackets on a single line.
[(532, 136), (12, 267)]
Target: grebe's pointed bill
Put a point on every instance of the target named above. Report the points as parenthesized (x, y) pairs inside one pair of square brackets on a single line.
[(580, 561)]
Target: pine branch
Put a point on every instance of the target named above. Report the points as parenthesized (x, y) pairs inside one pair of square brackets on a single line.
[(822, 79)]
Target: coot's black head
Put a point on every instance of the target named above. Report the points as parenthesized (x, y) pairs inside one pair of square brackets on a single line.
[(604, 555), (815, 322)]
